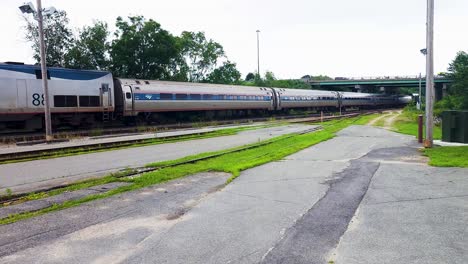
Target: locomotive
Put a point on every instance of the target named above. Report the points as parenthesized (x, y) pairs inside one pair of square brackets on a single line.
[(80, 97)]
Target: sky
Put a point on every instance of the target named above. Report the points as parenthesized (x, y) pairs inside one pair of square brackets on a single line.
[(338, 38)]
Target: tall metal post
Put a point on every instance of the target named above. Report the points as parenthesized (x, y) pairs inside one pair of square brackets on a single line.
[(420, 91), (428, 142), (47, 117), (258, 53)]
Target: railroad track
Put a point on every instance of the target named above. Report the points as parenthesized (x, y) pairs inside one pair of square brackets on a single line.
[(19, 137), (26, 138), (135, 172), (71, 150)]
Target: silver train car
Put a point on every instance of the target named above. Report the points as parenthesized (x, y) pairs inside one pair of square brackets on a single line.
[(140, 96), (75, 97), (80, 97)]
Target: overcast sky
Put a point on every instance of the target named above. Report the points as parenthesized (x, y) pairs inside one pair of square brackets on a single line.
[(298, 37)]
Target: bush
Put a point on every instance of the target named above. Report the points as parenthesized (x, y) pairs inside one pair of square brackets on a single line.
[(448, 103)]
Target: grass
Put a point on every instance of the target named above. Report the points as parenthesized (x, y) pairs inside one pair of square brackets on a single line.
[(407, 123), (142, 143), (231, 161), (448, 156), (381, 122)]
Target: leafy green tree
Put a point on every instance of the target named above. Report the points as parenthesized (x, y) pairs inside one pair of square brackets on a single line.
[(270, 76), (321, 78), (57, 35), (142, 49), (458, 71), (201, 55), (91, 48), (250, 77), (225, 74)]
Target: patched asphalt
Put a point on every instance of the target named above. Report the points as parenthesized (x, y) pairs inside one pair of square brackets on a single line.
[(365, 196), (320, 229)]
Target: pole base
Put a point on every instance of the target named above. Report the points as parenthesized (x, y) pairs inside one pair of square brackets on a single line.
[(49, 138), (428, 143)]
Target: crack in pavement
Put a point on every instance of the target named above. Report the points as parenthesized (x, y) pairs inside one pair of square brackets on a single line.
[(421, 199), (261, 198)]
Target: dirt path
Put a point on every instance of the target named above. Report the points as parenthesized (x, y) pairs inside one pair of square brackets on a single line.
[(391, 118), (374, 121)]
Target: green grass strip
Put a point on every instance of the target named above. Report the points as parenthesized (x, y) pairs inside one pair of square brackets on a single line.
[(232, 162), (448, 156), (407, 123)]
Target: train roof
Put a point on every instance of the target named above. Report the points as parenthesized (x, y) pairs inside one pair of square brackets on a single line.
[(55, 72), (142, 83)]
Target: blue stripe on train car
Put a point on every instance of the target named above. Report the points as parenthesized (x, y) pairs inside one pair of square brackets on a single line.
[(191, 97), (60, 73)]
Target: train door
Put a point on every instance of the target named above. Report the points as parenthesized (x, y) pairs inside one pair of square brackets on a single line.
[(127, 94), (106, 97)]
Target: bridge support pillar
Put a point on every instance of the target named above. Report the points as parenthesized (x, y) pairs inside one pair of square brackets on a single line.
[(440, 91), (358, 88), (444, 90)]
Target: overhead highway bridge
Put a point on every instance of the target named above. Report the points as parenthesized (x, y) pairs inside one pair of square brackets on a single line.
[(387, 83)]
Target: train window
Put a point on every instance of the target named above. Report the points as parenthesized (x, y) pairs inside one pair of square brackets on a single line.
[(105, 87), (137, 81), (39, 74), (166, 96), (207, 97), (147, 82), (128, 95), (89, 101), (65, 101), (181, 96), (195, 96)]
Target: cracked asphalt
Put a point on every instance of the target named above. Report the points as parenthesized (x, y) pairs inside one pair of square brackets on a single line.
[(36, 174), (365, 196)]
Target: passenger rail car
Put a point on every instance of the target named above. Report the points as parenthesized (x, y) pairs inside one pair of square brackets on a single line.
[(75, 97), (80, 97)]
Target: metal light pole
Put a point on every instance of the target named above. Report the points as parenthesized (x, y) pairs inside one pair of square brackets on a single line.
[(28, 8), (420, 90), (47, 117), (428, 142), (258, 53)]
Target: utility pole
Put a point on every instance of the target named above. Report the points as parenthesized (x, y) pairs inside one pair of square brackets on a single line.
[(428, 142), (258, 53), (47, 118), (420, 90), (28, 8)]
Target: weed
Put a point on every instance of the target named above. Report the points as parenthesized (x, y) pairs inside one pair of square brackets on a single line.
[(231, 161), (96, 132)]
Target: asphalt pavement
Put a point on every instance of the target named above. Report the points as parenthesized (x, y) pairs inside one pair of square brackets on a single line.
[(32, 175), (365, 196)]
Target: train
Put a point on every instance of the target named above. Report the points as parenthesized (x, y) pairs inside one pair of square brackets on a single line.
[(87, 97)]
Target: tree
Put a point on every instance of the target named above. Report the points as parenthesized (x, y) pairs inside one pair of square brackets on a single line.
[(321, 78), (250, 77), (142, 49), (270, 79), (58, 37), (91, 48), (225, 74), (201, 55), (458, 72)]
